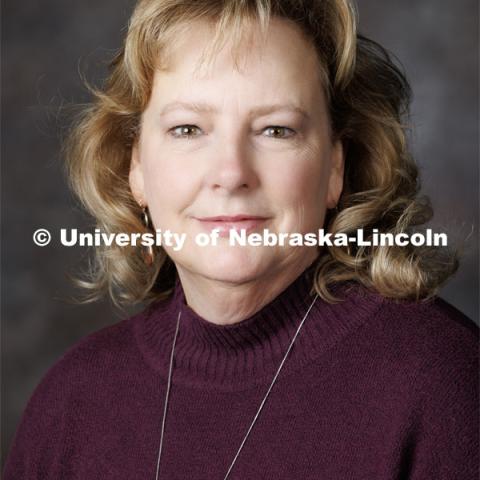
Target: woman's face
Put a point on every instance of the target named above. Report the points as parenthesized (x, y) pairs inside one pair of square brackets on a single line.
[(238, 140)]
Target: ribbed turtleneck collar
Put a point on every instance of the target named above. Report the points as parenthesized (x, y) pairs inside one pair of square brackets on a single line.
[(247, 353)]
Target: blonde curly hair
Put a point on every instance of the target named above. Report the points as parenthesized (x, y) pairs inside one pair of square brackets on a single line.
[(368, 99)]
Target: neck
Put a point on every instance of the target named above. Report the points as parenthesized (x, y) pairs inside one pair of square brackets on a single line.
[(226, 303)]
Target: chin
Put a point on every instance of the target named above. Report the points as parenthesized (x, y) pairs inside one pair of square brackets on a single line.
[(234, 265)]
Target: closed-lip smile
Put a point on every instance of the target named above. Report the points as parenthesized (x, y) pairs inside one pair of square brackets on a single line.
[(230, 218), (225, 223)]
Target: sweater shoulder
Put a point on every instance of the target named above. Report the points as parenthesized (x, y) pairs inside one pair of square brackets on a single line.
[(79, 374), (98, 355), (107, 349), (104, 348), (432, 339), (431, 329), (434, 325)]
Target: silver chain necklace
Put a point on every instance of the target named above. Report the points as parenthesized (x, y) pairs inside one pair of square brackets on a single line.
[(259, 408)]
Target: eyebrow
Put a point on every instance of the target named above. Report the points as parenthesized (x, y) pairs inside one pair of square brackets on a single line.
[(262, 110)]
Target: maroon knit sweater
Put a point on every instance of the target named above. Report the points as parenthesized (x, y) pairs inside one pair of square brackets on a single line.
[(372, 389)]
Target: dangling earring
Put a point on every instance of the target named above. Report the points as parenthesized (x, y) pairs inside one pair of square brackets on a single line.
[(334, 212), (147, 250)]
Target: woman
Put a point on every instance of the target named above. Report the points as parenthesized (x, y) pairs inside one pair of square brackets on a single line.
[(256, 362)]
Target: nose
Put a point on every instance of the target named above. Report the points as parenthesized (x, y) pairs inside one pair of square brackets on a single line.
[(232, 168)]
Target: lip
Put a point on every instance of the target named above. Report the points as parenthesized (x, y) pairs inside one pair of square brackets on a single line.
[(230, 218), (225, 223)]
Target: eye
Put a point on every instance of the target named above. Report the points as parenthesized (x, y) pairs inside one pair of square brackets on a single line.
[(275, 131), (185, 131)]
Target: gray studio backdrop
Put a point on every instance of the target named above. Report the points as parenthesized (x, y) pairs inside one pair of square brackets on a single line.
[(45, 45)]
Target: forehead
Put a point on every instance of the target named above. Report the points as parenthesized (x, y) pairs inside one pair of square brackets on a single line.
[(279, 62)]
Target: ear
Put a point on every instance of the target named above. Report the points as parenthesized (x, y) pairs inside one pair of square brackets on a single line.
[(335, 182), (135, 177)]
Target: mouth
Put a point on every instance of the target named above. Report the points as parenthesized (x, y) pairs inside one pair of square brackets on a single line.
[(225, 223)]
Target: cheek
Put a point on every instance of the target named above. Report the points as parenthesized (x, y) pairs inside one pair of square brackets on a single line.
[(171, 183), (302, 187)]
